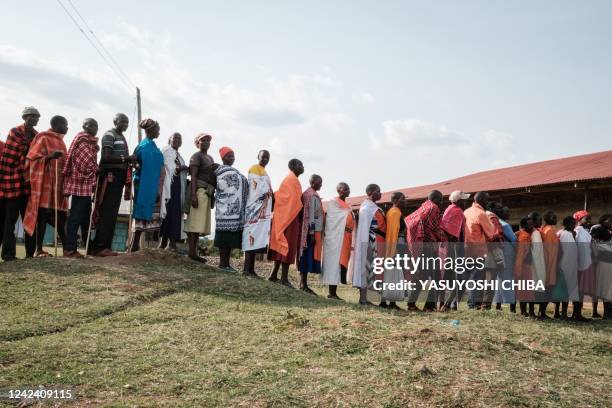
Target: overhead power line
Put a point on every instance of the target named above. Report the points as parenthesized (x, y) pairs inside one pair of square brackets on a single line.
[(115, 71), (110, 56)]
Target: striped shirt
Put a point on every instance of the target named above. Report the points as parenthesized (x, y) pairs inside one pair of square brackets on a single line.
[(115, 141)]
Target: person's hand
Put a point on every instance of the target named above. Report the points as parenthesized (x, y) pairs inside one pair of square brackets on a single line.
[(55, 155), (194, 201), (98, 171)]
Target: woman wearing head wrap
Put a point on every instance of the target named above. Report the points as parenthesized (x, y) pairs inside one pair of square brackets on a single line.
[(201, 194), (257, 213), (173, 193), (230, 201), (148, 179)]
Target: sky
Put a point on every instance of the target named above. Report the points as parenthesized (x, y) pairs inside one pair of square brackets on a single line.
[(398, 93)]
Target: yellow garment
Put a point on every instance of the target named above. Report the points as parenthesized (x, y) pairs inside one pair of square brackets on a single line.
[(198, 219), (393, 218), (258, 170)]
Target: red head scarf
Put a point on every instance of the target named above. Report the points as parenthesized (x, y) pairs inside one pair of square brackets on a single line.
[(578, 215), (225, 150)]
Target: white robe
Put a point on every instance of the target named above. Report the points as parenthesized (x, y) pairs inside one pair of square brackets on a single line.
[(568, 263), (335, 224), (583, 239), (604, 271), (170, 167), (357, 272), (258, 213)]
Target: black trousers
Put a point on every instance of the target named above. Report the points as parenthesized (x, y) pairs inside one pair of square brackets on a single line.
[(109, 208), (47, 216), (2, 216), (13, 208), (80, 210)]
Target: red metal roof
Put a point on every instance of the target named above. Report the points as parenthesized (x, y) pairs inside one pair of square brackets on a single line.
[(591, 166)]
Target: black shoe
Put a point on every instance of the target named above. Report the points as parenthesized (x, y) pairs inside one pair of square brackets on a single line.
[(285, 283), (306, 289), (197, 259), (413, 308)]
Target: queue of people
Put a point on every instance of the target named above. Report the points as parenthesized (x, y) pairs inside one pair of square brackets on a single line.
[(293, 227)]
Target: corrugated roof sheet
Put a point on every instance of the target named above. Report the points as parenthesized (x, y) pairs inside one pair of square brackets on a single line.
[(569, 169)]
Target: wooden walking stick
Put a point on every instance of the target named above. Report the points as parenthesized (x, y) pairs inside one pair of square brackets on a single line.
[(93, 207), (129, 231), (56, 200)]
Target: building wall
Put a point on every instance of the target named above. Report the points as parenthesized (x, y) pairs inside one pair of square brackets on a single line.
[(563, 201), (119, 239)]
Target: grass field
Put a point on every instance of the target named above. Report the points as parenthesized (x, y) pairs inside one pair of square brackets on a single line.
[(156, 330)]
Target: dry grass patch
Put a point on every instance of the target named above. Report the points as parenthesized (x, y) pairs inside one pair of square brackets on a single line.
[(151, 330)]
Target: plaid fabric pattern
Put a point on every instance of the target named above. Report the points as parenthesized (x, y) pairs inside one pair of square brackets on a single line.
[(42, 175), (423, 225), (81, 166), (12, 164)]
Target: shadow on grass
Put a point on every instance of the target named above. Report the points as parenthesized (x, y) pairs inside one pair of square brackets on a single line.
[(149, 275)]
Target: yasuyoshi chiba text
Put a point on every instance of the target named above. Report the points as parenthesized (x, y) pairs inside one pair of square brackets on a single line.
[(462, 285)]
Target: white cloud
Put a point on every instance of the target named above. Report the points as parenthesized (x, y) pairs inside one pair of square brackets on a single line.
[(415, 133), (292, 116), (429, 140), (366, 97)]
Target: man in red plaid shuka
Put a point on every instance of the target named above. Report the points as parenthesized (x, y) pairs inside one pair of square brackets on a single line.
[(423, 236), (43, 169), (79, 172), (14, 190)]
